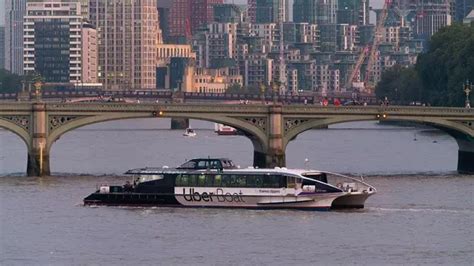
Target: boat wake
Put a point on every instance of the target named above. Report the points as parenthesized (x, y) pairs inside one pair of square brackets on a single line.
[(422, 210)]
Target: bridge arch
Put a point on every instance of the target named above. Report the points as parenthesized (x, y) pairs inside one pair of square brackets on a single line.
[(255, 134), (463, 133), (445, 125), (270, 127), (17, 130)]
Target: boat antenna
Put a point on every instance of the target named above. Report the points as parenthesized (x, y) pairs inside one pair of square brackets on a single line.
[(306, 161)]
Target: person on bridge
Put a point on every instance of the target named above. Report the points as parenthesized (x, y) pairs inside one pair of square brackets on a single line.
[(325, 102)]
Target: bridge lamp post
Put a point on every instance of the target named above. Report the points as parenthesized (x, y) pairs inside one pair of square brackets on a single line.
[(262, 93), (41, 147), (467, 90), (275, 91), (38, 85)]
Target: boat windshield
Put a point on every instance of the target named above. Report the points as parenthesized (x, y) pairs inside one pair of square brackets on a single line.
[(139, 178), (208, 164), (317, 176)]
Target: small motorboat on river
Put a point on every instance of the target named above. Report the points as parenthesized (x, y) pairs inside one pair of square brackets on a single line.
[(224, 130), (218, 183), (189, 132)]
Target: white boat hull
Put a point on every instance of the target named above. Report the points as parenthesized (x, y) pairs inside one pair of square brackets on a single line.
[(258, 198)]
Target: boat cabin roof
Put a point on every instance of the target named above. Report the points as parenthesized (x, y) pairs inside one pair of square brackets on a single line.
[(250, 170), (208, 163)]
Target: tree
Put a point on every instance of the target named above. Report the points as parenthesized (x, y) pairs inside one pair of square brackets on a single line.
[(400, 84), (9, 82), (238, 89), (447, 64), (439, 73), (234, 88)]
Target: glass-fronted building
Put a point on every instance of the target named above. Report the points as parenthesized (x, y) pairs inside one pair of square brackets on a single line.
[(54, 46)]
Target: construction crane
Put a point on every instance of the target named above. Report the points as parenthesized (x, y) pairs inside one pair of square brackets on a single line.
[(369, 51), (282, 67), (378, 36)]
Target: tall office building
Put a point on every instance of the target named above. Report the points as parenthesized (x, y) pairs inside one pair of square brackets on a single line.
[(128, 34), (304, 11), (227, 13), (353, 12), (216, 45), (251, 10), (187, 16), (271, 11), (202, 13), (2, 47), (431, 16), (315, 11), (84, 7), (14, 12), (164, 8), (463, 7), (58, 44)]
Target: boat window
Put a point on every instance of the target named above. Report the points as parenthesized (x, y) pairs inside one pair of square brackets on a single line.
[(228, 164), (215, 164), (181, 180), (254, 181), (186, 180), (226, 181), (320, 177), (271, 181), (239, 181), (201, 180), (233, 181), (145, 178), (188, 165), (202, 164), (307, 182), (218, 180), (291, 181), (205, 180)]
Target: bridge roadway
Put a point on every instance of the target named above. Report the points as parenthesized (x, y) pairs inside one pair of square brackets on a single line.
[(269, 127)]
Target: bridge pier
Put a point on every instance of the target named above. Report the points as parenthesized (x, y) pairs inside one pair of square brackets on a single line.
[(466, 155), (179, 123), (38, 163), (274, 153), (38, 153), (268, 159)]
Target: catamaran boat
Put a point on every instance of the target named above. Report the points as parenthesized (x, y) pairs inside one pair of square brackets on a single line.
[(222, 129), (189, 132), (218, 183)]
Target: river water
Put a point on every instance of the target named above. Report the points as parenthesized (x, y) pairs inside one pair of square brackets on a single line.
[(423, 213)]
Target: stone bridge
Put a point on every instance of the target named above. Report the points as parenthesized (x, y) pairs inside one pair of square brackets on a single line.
[(269, 127)]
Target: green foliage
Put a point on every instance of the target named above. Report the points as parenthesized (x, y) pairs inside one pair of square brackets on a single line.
[(237, 89), (439, 73), (9, 82), (447, 64), (400, 85), (234, 88)]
